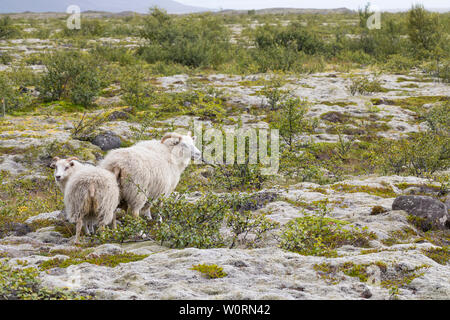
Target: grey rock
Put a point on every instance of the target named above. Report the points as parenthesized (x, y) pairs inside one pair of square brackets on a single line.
[(424, 207), (118, 115), (20, 229), (107, 141), (55, 216), (366, 294), (46, 235), (105, 250)]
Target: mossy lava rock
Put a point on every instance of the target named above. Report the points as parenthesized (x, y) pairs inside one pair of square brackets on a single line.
[(425, 207)]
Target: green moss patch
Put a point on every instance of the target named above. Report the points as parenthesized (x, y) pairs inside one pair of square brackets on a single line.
[(404, 235), (375, 191), (440, 255), (210, 271), (403, 278), (377, 210), (398, 278), (338, 103), (412, 103), (104, 260)]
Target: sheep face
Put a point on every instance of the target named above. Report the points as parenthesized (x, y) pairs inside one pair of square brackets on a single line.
[(63, 168), (187, 143), (182, 147)]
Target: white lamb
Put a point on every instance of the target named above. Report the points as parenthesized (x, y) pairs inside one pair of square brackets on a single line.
[(91, 194), (150, 169)]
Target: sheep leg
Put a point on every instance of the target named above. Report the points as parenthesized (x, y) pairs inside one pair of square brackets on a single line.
[(135, 213), (91, 226), (86, 228), (78, 230), (114, 222)]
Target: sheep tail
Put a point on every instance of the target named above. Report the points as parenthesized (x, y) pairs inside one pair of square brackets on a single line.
[(92, 200)]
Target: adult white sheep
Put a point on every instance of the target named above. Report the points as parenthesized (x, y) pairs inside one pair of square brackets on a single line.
[(91, 194), (150, 169)]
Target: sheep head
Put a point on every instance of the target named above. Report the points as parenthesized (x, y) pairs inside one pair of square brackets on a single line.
[(64, 167), (182, 146)]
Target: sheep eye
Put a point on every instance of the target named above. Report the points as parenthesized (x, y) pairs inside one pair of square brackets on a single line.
[(66, 168)]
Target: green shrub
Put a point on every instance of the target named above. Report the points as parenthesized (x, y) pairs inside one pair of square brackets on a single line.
[(424, 153), (89, 28), (438, 119), (290, 120), (24, 284), (86, 128), (363, 85), (10, 97), (190, 224), (5, 58), (242, 177), (318, 235), (428, 153), (301, 166), (110, 53), (399, 63), (190, 41), (294, 36), (137, 91), (72, 75), (273, 93), (129, 229), (207, 104), (423, 30), (279, 58), (7, 29), (243, 222)]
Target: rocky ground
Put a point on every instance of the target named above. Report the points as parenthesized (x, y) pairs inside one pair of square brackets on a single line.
[(398, 264), (261, 273)]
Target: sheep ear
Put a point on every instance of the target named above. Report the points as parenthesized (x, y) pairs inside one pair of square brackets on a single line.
[(166, 136), (190, 134), (53, 163)]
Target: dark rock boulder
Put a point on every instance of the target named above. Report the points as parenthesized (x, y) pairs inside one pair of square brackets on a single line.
[(258, 200), (21, 229), (107, 141), (424, 207), (118, 115)]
